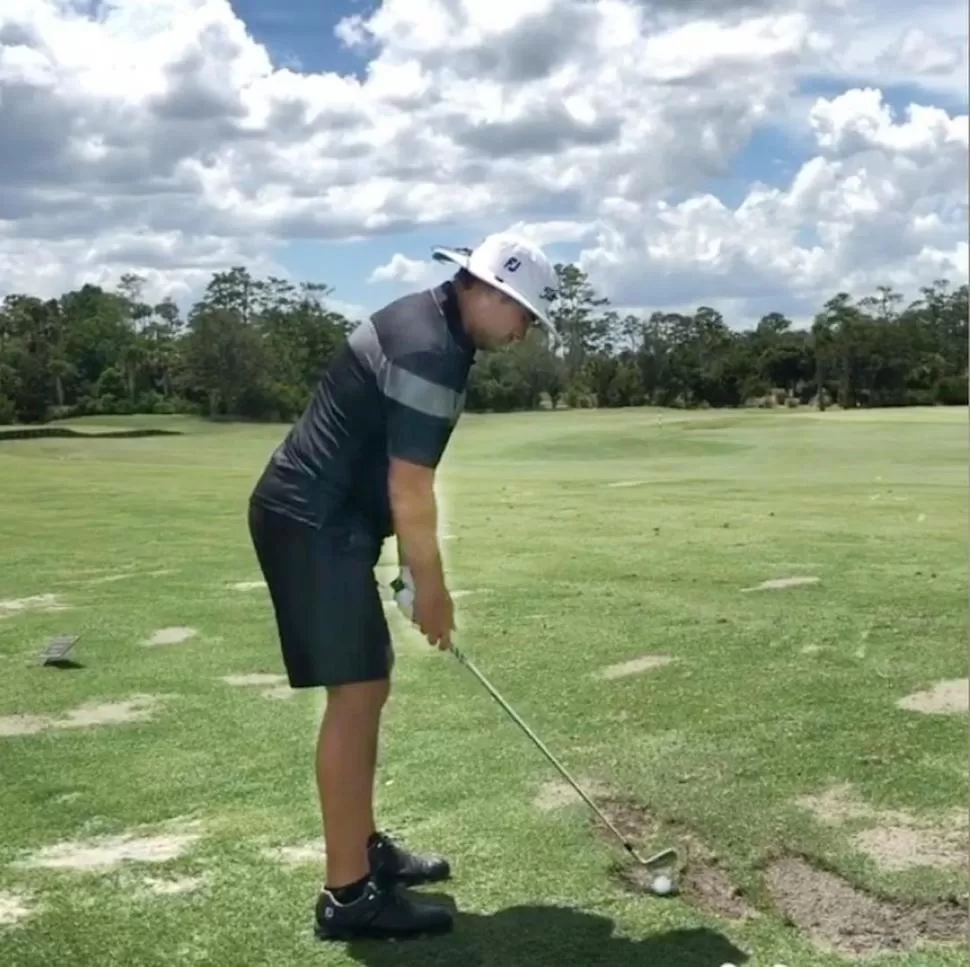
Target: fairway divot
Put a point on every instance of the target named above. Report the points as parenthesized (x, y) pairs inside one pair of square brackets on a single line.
[(950, 697), (134, 709), (619, 484), (556, 795), (170, 636), (635, 666), (312, 852), (843, 919), (15, 907), (108, 852), (703, 881), (248, 585), (779, 584), (894, 840), (45, 603)]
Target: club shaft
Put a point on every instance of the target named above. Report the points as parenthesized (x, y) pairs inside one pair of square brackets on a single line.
[(541, 745)]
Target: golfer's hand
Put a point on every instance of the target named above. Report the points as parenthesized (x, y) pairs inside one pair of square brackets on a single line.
[(434, 614)]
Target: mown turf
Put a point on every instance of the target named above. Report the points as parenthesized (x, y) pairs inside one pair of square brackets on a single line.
[(569, 575)]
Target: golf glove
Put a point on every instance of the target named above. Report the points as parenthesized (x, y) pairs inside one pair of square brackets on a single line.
[(403, 588)]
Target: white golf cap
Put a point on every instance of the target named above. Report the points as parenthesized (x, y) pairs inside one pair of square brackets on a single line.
[(512, 265)]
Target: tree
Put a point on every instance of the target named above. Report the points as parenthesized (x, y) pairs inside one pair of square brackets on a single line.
[(574, 313), (254, 348)]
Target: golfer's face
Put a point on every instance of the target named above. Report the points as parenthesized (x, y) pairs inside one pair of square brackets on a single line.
[(512, 320)]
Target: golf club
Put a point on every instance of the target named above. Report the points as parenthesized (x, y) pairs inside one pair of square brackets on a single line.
[(663, 858)]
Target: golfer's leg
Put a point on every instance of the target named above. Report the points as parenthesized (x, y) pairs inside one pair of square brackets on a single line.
[(346, 762)]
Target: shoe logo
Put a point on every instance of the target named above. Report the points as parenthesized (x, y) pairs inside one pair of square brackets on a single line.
[(328, 913), (512, 264)]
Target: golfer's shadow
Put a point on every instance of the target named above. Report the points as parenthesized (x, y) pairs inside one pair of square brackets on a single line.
[(543, 936)]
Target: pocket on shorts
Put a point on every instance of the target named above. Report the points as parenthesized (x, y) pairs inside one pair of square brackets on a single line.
[(353, 542)]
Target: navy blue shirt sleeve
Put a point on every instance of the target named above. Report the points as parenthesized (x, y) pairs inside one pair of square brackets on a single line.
[(425, 394)]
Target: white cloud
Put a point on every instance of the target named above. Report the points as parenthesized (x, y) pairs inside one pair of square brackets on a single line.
[(883, 202), (166, 141), (402, 269)]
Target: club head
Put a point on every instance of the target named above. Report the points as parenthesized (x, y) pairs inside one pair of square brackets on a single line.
[(665, 859)]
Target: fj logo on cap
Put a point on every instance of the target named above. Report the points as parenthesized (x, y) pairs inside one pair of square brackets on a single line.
[(512, 264)]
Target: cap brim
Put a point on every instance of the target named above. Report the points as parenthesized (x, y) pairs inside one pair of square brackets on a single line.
[(450, 255)]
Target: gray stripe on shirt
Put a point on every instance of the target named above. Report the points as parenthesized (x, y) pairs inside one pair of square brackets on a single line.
[(403, 385)]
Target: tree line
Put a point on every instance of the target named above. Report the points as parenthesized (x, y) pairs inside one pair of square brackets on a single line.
[(253, 349)]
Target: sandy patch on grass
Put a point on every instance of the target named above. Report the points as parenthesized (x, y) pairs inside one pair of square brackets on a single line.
[(22, 724), (127, 575), (14, 907), (173, 886), (279, 692), (312, 852), (108, 852), (257, 678), (779, 584), (635, 666), (841, 805), (10, 607), (893, 839), (248, 585), (555, 795), (895, 848), (949, 697), (170, 636), (279, 684), (135, 709)]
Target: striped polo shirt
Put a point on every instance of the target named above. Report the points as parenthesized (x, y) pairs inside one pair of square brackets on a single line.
[(395, 389)]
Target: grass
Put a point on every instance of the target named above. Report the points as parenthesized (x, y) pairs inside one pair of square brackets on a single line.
[(570, 575)]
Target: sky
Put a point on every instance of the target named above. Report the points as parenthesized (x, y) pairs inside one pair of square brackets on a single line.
[(750, 156)]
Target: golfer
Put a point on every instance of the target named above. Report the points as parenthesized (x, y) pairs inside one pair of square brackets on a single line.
[(357, 467)]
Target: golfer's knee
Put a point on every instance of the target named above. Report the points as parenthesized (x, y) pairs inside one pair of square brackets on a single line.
[(359, 698)]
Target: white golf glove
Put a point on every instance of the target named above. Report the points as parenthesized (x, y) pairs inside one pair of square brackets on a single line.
[(403, 588)]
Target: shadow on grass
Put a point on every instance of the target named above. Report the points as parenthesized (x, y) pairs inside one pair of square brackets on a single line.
[(543, 936)]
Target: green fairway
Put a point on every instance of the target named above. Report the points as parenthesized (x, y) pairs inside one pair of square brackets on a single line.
[(766, 725)]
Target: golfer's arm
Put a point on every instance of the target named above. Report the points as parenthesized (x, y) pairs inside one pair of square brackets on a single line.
[(415, 514)]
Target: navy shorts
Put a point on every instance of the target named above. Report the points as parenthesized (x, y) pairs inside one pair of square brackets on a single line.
[(328, 609)]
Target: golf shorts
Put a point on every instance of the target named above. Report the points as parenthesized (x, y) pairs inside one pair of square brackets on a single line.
[(329, 613)]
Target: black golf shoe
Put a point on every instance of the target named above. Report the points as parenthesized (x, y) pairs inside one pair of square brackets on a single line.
[(391, 863), (381, 912)]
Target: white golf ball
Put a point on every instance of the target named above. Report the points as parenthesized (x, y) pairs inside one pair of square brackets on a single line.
[(661, 885)]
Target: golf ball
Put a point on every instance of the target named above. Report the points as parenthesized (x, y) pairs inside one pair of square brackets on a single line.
[(661, 885)]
